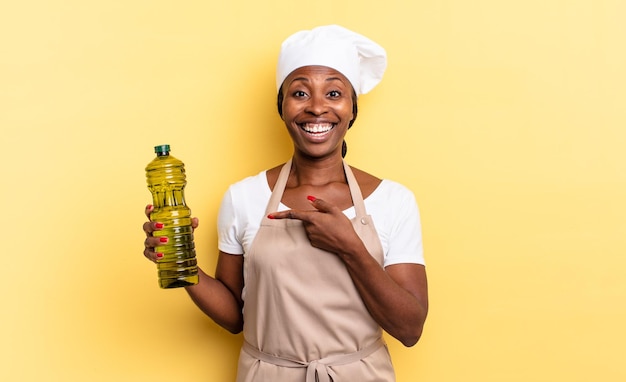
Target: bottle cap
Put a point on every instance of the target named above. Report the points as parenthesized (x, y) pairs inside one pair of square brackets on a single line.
[(162, 149)]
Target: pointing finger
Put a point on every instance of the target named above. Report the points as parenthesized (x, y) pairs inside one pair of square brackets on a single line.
[(291, 214)]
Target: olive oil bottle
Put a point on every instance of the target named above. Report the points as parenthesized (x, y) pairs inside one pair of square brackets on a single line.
[(166, 181)]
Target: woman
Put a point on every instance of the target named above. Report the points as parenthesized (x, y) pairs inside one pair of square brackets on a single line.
[(310, 277)]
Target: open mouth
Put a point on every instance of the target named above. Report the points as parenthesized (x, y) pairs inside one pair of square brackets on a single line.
[(317, 129)]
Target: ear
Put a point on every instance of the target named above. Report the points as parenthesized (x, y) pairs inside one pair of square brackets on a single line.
[(355, 108), (279, 102)]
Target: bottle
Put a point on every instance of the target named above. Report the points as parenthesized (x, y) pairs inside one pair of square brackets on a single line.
[(166, 181)]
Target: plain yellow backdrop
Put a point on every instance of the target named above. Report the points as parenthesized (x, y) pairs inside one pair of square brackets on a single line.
[(506, 118)]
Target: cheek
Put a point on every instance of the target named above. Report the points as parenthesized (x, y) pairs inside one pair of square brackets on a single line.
[(288, 111), (348, 111)]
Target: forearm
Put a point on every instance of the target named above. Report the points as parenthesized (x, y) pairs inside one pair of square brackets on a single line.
[(217, 301), (399, 309)]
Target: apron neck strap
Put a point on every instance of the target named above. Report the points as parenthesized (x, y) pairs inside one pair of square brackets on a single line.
[(279, 188), (355, 191)]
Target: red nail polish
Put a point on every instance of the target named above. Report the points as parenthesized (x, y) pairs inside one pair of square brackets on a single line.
[(270, 216), (163, 239), (159, 255), (158, 225), (311, 198)]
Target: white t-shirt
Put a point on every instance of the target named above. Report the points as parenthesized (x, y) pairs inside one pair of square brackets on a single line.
[(392, 206)]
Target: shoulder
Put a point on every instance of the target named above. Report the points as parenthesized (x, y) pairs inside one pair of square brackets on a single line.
[(381, 188), (393, 199), (367, 182), (271, 175), (252, 189), (250, 183), (244, 198), (393, 195)]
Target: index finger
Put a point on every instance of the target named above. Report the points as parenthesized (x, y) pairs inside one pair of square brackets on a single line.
[(292, 214), (149, 209)]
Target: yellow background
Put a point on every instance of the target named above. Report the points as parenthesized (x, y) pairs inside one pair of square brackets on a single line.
[(506, 118)]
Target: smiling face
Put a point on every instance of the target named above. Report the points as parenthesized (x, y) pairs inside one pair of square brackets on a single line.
[(317, 107)]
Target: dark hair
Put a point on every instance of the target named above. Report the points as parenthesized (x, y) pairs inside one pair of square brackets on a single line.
[(355, 110)]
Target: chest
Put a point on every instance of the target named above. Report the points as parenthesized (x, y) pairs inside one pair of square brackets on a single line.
[(337, 194)]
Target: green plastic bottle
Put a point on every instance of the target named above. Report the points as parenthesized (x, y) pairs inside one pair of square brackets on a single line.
[(166, 181)]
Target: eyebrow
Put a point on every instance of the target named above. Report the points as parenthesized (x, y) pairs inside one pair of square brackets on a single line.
[(304, 79)]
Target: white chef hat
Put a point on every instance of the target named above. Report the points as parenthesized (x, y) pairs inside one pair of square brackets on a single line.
[(360, 59)]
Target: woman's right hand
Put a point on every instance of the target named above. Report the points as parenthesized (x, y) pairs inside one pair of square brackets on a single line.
[(152, 242)]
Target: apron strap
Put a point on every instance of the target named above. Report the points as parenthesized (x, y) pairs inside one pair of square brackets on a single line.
[(317, 370), (281, 182), (355, 192), (279, 188)]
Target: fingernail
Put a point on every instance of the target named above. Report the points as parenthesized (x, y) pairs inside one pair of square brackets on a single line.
[(159, 255), (270, 216), (163, 239), (158, 225), (311, 198)]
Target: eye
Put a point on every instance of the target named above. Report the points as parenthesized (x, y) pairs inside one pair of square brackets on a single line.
[(334, 94), (299, 94)]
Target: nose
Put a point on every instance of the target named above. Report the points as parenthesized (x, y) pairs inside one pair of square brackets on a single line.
[(316, 105)]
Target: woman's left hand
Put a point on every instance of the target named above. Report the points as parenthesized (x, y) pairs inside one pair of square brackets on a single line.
[(326, 226)]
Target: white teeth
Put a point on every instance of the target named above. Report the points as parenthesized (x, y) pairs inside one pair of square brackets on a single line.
[(317, 128)]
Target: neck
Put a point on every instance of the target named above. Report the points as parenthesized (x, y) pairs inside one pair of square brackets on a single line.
[(317, 172)]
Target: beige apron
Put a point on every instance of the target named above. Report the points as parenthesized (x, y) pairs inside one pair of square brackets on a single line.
[(304, 320)]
